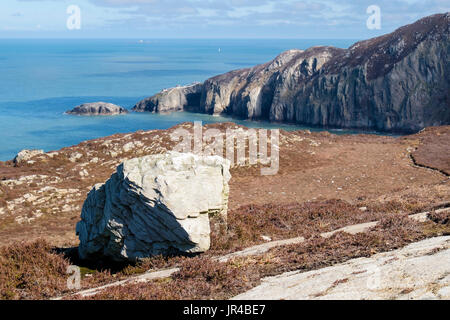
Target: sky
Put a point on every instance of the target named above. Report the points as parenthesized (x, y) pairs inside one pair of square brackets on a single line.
[(149, 19)]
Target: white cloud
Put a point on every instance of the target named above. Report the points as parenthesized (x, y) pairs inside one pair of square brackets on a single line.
[(236, 18)]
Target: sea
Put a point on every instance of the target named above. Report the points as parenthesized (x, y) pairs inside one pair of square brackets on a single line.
[(40, 79)]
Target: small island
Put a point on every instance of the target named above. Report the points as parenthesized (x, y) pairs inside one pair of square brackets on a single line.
[(97, 109)]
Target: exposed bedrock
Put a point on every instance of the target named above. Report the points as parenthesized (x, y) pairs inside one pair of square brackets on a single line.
[(174, 99)]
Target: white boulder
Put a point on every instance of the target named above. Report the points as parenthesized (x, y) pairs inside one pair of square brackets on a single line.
[(26, 155), (154, 205)]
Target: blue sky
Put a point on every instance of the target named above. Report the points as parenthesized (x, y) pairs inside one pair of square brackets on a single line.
[(209, 18)]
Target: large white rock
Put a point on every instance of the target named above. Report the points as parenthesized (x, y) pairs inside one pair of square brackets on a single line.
[(26, 155), (154, 205)]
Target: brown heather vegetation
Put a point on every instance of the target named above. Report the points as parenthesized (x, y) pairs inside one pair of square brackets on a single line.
[(364, 170), (203, 278), (440, 218), (38, 271), (323, 181), (248, 224), (433, 151), (30, 270)]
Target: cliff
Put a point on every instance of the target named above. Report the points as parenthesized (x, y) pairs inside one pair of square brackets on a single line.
[(396, 82), (173, 99)]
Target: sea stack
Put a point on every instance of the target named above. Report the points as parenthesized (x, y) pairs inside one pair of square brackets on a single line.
[(97, 109)]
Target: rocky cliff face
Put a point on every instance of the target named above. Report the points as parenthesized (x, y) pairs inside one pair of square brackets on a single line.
[(396, 82), (174, 99)]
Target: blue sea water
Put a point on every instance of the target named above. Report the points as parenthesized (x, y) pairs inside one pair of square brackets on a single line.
[(41, 79)]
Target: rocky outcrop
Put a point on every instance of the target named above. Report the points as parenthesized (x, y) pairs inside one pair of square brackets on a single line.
[(26, 155), (97, 109), (154, 205), (174, 99), (396, 82)]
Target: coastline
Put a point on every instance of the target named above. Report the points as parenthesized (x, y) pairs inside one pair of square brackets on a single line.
[(64, 130), (301, 166), (313, 165)]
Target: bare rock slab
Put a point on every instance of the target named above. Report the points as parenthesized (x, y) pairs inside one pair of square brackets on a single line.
[(418, 271), (154, 205)]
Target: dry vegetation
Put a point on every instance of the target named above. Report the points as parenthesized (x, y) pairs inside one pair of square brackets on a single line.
[(203, 278), (42, 198), (38, 271), (433, 151), (248, 224), (325, 182), (30, 270)]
